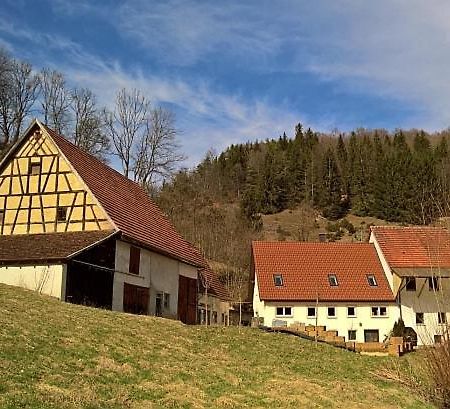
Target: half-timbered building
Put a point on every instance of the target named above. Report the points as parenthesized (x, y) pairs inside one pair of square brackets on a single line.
[(74, 228)]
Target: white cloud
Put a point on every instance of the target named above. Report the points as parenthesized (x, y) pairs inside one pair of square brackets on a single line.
[(397, 49)]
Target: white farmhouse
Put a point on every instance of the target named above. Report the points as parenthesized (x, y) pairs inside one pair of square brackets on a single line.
[(416, 262), (338, 285)]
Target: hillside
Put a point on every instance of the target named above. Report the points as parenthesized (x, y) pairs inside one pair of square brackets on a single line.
[(57, 355)]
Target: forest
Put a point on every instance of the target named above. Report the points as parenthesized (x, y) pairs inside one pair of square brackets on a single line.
[(400, 176)]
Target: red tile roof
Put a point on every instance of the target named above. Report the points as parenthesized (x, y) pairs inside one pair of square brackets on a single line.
[(128, 205), (420, 247), (305, 268), (215, 287), (47, 246)]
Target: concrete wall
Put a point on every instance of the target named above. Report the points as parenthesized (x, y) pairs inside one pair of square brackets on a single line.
[(47, 279), (157, 272), (341, 322), (429, 303)]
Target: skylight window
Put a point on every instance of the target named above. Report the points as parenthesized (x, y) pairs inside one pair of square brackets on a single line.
[(332, 279), (278, 280), (372, 280)]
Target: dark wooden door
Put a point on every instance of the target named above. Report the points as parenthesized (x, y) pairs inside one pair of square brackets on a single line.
[(135, 299), (187, 300), (371, 335)]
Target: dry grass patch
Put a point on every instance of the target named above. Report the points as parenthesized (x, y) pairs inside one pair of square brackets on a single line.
[(78, 357)]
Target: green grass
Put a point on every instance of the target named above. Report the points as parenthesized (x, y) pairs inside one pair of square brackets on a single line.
[(57, 355)]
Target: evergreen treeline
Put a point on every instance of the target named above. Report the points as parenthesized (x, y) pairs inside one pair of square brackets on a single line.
[(402, 176)]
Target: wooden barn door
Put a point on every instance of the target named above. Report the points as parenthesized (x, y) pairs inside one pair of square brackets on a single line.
[(187, 300), (135, 299)]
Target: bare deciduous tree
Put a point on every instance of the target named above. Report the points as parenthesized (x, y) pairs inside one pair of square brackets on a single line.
[(157, 150), (125, 125), (18, 92), (143, 138), (56, 100), (88, 130)]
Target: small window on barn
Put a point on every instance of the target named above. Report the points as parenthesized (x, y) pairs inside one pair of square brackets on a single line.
[(35, 168), (433, 283), (61, 214), (372, 280), (166, 301), (442, 318), (278, 280), (410, 284), (135, 260), (420, 318), (332, 279)]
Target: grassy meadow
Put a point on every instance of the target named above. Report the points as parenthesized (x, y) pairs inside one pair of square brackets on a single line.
[(57, 355)]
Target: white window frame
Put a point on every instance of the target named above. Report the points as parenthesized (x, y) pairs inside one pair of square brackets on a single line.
[(333, 280), (348, 334), (276, 277), (378, 309), (335, 312), (284, 311), (351, 316), (311, 316), (423, 318), (372, 279)]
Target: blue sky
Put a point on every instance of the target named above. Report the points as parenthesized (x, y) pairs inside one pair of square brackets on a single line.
[(234, 71)]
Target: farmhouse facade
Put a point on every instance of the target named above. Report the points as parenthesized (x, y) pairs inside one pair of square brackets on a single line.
[(416, 262), (338, 285), (74, 228)]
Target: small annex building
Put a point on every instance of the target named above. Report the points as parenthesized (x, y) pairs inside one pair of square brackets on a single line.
[(341, 286), (214, 301), (74, 228), (416, 262)]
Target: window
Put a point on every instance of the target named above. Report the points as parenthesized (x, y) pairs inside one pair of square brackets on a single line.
[(311, 312), (278, 280), (352, 334), (442, 318), (284, 311), (135, 260), (35, 168), (158, 304), (351, 311), (433, 283), (166, 301), (332, 279), (214, 317), (2, 216), (379, 311), (61, 214), (419, 318), (372, 280), (331, 312), (438, 339), (410, 284)]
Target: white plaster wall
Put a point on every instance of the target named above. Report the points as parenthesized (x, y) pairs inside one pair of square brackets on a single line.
[(384, 263), (341, 323), (156, 271), (49, 279), (428, 302), (258, 305)]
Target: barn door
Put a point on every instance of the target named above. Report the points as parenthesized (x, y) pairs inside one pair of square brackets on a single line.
[(187, 300), (135, 299)]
